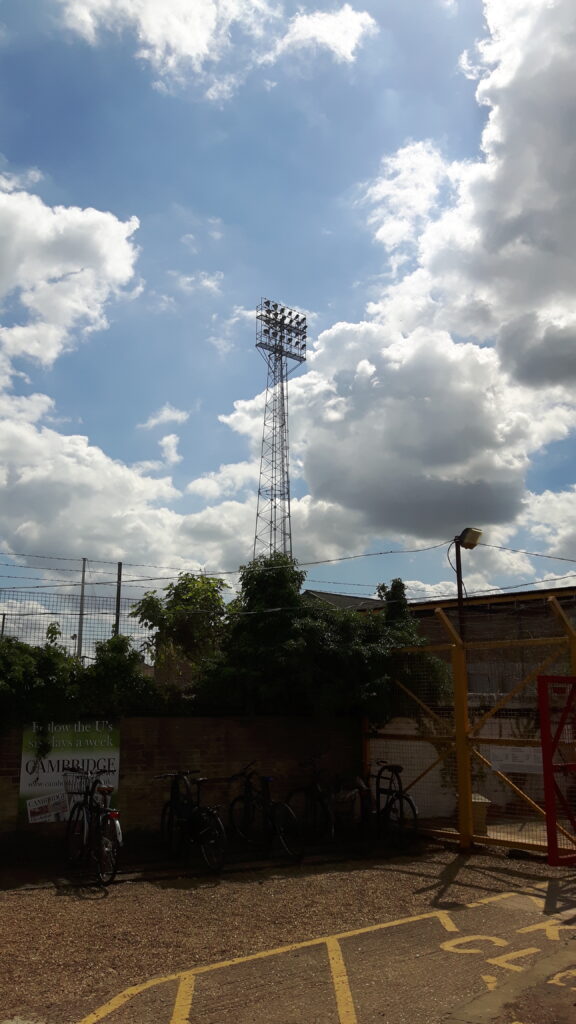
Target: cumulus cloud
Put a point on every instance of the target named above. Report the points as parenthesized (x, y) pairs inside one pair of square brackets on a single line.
[(169, 448), (341, 32), (63, 265), (183, 39), (167, 414), (226, 481), (426, 416)]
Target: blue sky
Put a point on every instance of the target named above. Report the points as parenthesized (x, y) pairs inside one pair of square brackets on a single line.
[(347, 160)]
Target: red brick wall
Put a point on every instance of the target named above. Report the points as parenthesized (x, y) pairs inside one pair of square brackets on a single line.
[(217, 746)]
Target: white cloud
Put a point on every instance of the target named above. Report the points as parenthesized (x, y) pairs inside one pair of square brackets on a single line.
[(189, 240), (167, 414), (225, 329), (10, 182), (63, 264), (169, 448), (427, 417), (192, 39), (405, 195), (226, 481), (341, 32), (202, 280), (414, 423)]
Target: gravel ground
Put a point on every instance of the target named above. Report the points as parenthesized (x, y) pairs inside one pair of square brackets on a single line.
[(66, 950)]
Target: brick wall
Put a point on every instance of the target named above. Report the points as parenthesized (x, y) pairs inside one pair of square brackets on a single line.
[(217, 746), (10, 756)]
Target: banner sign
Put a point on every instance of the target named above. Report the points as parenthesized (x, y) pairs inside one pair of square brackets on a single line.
[(92, 745)]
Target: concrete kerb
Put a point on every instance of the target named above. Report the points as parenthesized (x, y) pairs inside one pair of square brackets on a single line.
[(489, 1007)]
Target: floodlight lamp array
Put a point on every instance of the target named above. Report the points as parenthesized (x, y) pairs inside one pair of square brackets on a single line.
[(281, 330)]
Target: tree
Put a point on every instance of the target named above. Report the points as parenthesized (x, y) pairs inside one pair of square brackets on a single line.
[(187, 625), (38, 683), (421, 674), (115, 683), (286, 655)]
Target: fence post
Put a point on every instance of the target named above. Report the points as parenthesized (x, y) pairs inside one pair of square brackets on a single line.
[(116, 629), (461, 730), (81, 611), (461, 726), (569, 628)]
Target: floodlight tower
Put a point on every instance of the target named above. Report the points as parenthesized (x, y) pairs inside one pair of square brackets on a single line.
[(281, 338)]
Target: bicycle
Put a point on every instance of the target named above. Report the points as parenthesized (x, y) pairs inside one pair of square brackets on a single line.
[(312, 806), (93, 832), (396, 813), (256, 818), (186, 821)]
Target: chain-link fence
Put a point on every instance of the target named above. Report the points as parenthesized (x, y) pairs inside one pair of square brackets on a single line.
[(82, 621), (472, 753)]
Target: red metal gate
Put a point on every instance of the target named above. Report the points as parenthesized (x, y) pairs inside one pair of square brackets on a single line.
[(557, 706)]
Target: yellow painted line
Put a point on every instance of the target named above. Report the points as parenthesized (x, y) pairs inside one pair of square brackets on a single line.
[(493, 899), (184, 996), (504, 960), (551, 927), (490, 980), (457, 945), (124, 997), (538, 900), (557, 979), (344, 1001), (442, 916)]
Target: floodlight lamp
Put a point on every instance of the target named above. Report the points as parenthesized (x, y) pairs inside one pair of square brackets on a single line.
[(275, 306), (469, 537), (267, 303)]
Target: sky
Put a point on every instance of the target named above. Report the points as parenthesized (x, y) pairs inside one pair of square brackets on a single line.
[(403, 172)]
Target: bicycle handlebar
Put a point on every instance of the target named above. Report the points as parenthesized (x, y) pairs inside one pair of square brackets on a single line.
[(243, 773)]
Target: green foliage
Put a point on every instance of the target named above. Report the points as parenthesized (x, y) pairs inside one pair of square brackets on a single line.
[(46, 683), (284, 654), (115, 683), (37, 683), (270, 651), (188, 623)]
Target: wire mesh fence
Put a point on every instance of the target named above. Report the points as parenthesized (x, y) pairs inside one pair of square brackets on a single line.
[(82, 622), (473, 751)]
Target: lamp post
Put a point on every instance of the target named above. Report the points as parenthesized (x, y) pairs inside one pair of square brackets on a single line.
[(468, 539)]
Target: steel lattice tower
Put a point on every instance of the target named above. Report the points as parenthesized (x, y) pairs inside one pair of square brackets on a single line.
[(281, 337)]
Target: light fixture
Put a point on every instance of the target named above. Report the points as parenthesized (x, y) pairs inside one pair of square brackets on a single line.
[(469, 537)]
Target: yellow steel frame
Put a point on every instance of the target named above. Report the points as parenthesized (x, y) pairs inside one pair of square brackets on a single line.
[(465, 737)]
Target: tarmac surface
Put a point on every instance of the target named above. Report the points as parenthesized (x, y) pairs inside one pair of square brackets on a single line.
[(438, 938)]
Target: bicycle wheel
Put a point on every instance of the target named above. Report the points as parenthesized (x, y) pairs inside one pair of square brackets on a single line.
[(170, 831), (106, 849), (212, 839), (400, 820), (243, 819), (313, 815), (75, 831), (286, 828)]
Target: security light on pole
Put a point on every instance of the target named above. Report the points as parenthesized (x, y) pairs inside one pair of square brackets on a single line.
[(468, 539)]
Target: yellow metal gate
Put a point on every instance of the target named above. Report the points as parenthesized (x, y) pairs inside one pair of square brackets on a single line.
[(472, 758)]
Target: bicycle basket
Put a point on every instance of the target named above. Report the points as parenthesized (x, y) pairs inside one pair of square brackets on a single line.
[(76, 783)]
